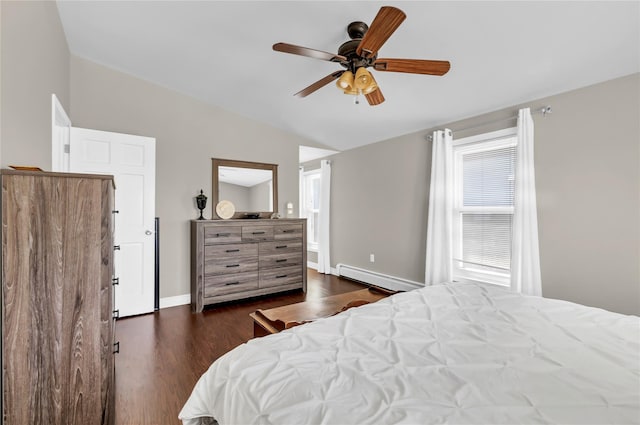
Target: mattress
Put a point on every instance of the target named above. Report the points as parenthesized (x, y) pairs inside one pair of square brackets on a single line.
[(456, 353)]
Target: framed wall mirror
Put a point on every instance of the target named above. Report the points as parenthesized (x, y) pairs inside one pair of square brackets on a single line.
[(252, 187)]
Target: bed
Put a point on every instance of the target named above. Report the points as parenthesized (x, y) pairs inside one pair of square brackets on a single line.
[(458, 353)]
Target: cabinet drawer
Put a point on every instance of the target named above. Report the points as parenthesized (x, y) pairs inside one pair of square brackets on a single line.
[(280, 260), (280, 247), (238, 264), (220, 234), (287, 231), (280, 276), (257, 233), (280, 254), (224, 252), (228, 284)]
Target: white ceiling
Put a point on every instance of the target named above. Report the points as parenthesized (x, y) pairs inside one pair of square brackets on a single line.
[(247, 177), (501, 53)]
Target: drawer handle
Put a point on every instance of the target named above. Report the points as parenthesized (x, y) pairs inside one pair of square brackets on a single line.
[(281, 246), (232, 250), (223, 235), (258, 233), (231, 283), (116, 314), (281, 261), (115, 281), (233, 265), (116, 347), (280, 276), (116, 247), (288, 231), (115, 212)]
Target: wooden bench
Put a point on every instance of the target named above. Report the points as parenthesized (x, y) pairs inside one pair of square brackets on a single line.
[(274, 320)]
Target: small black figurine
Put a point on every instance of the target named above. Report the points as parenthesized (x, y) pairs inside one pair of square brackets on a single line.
[(201, 200)]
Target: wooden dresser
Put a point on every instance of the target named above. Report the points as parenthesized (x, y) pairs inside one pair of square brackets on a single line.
[(235, 259), (57, 298)]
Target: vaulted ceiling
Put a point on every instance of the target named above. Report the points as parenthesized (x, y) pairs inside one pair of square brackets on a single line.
[(501, 53)]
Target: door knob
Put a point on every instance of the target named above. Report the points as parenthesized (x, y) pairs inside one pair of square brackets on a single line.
[(148, 232)]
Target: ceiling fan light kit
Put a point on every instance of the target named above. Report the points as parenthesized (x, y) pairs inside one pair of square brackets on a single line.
[(360, 53), (345, 82)]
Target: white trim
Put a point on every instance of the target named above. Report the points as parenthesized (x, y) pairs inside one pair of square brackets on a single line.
[(378, 279), (60, 136), (314, 266), (487, 137), (167, 302)]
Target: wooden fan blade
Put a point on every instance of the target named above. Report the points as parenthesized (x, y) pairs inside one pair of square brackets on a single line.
[(375, 97), (412, 66), (319, 84), (305, 51), (385, 23)]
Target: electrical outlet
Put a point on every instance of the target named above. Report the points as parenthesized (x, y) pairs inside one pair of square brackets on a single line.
[(372, 258)]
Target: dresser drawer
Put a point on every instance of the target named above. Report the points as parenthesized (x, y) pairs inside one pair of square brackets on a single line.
[(229, 284), (280, 253), (218, 234), (230, 251), (280, 276), (257, 233), (237, 264), (287, 231), (280, 260)]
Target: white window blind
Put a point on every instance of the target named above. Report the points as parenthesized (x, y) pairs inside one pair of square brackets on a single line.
[(483, 212), (488, 177), (486, 240)]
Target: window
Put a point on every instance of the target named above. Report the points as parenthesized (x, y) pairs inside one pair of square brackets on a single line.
[(484, 170), (310, 206)]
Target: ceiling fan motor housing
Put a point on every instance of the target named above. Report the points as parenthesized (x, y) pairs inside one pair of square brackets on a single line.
[(356, 31)]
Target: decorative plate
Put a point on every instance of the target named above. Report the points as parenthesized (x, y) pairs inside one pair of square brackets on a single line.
[(225, 209)]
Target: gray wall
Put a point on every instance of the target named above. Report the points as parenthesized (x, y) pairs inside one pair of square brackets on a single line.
[(236, 194), (588, 187), (259, 197), (188, 134), (34, 64)]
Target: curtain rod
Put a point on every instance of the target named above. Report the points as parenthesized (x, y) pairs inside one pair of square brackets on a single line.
[(544, 111)]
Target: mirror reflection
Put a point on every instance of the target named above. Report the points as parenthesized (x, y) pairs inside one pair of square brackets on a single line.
[(249, 189)]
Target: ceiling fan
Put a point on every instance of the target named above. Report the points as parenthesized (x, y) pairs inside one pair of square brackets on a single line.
[(360, 53)]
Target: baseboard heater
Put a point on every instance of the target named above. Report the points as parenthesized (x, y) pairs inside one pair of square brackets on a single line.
[(377, 279)]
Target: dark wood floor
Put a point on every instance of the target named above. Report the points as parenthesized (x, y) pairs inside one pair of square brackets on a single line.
[(163, 354)]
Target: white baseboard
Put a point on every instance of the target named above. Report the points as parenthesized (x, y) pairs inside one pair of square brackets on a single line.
[(378, 279), (174, 301), (314, 266)]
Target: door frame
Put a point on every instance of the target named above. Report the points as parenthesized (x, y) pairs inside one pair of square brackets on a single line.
[(60, 136)]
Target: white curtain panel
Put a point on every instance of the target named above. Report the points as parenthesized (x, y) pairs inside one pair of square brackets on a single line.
[(439, 225), (324, 225), (525, 255)]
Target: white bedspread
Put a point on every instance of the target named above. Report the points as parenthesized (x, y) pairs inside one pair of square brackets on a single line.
[(458, 353)]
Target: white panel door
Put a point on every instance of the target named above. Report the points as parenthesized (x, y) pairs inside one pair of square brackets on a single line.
[(131, 160)]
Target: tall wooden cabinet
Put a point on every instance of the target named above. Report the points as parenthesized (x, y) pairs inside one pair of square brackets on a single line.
[(57, 298)]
